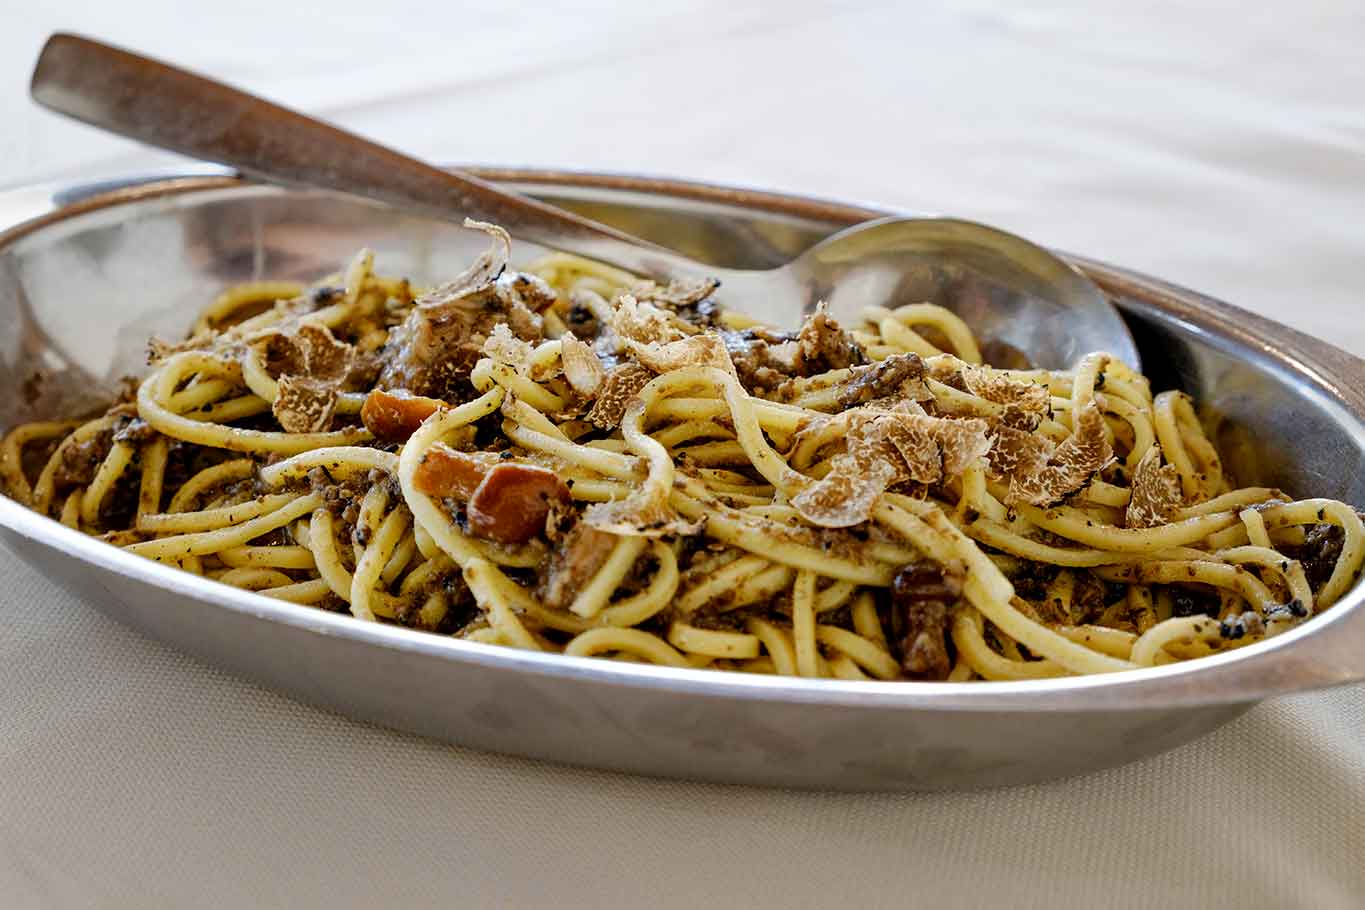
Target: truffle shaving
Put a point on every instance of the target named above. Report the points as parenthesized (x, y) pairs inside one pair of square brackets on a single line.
[(434, 349), (1070, 467), (582, 368), (504, 347), (1156, 492), (993, 385), (898, 375), (847, 494), (617, 389), (645, 513), (1017, 452), (694, 351), (885, 449), (923, 449), (304, 405), (643, 323), (917, 454), (762, 360), (530, 291), (822, 345), (490, 264), (677, 294), (313, 366)]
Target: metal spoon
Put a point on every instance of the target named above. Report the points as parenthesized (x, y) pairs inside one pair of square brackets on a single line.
[(1005, 287)]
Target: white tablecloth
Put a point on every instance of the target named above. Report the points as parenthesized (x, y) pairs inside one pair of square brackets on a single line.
[(1221, 146)]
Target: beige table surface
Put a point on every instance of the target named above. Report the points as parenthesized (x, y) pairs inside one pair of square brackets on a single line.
[(1219, 145)]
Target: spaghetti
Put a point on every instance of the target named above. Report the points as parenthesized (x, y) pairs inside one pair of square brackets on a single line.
[(569, 459)]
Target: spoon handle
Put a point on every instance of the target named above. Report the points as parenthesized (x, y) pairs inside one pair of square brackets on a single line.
[(173, 109)]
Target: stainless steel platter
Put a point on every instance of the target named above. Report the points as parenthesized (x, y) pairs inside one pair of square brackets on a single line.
[(88, 278)]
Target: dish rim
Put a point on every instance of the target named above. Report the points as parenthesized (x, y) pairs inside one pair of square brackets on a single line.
[(1314, 655)]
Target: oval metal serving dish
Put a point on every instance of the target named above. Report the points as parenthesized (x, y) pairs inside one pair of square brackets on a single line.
[(82, 287)]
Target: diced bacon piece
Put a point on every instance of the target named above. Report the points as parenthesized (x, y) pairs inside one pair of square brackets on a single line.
[(446, 473), (396, 415), (512, 502)]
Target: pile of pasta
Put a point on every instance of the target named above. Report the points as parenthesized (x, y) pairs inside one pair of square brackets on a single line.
[(569, 459)]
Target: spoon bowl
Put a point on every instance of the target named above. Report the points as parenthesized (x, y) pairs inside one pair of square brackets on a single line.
[(1008, 289)]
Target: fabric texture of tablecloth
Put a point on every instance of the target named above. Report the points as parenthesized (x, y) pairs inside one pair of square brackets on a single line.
[(1220, 145)]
